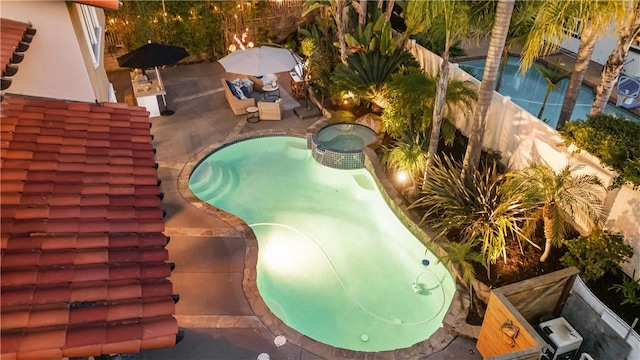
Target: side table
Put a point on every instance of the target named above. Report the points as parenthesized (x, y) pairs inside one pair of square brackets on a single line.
[(269, 89), (252, 113)]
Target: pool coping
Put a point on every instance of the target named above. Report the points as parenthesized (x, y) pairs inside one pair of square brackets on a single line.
[(454, 322)]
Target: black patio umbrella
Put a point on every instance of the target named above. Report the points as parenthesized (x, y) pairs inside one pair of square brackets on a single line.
[(152, 55)]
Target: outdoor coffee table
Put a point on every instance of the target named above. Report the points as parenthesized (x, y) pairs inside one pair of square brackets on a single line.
[(252, 113), (269, 89)]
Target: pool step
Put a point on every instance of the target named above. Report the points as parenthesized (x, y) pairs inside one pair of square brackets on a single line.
[(211, 181), (364, 182), (296, 150)]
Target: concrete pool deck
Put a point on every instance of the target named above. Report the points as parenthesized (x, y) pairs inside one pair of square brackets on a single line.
[(208, 247)]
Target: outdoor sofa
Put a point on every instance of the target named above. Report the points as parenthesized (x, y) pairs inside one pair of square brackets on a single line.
[(238, 106)]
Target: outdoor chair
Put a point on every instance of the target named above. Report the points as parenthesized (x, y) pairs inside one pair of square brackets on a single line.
[(270, 110)]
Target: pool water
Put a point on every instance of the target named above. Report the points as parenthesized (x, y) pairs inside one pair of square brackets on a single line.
[(345, 136), (528, 91), (334, 261)]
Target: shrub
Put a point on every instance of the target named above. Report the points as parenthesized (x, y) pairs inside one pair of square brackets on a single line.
[(630, 290), (596, 254), (613, 140)]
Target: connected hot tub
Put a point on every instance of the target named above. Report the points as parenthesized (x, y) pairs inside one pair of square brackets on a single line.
[(340, 145)]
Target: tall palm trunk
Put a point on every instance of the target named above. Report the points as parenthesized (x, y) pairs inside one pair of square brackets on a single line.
[(496, 45), (361, 9), (549, 232), (438, 108), (588, 39), (340, 14), (503, 66), (544, 102), (389, 10), (615, 62)]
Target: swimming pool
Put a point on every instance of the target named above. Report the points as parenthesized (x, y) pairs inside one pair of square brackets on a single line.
[(528, 92), (335, 263)]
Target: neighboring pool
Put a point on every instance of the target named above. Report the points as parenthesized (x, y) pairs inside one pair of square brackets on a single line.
[(335, 263), (528, 92)]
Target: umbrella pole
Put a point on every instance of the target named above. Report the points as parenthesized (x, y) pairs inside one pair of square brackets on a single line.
[(166, 111)]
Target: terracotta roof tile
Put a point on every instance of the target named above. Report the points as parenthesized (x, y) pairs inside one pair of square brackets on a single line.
[(15, 37), (84, 268)]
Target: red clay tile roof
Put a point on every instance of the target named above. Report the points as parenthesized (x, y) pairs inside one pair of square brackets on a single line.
[(84, 269), (14, 40)]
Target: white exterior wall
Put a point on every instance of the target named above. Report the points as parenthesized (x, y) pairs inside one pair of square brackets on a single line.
[(53, 67), (603, 49)]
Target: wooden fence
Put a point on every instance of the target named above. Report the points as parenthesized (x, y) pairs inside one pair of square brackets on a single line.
[(520, 305)]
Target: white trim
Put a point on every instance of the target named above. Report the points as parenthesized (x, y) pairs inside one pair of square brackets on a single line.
[(92, 32)]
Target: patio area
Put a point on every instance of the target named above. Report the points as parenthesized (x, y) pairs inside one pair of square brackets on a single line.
[(208, 251)]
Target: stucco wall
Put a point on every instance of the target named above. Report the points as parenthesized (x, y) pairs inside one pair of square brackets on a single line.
[(54, 65)]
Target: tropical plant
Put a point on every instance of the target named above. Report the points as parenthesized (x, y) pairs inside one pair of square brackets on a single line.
[(612, 139), (630, 290), (411, 95), (376, 56), (433, 39), (462, 256), (552, 74), (487, 86), (629, 31), (596, 254), (407, 154), (321, 54), (484, 15), (555, 23), (477, 211), (338, 11), (421, 15), (561, 199)]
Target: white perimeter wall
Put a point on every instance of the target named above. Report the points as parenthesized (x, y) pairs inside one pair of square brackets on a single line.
[(523, 139), (53, 67)]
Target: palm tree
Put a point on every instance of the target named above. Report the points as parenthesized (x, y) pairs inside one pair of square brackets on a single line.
[(339, 11), (411, 95), (420, 15), (406, 155), (408, 117), (484, 15), (553, 74), (560, 199), (589, 19), (611, 71), (462, 257), (498, 37)]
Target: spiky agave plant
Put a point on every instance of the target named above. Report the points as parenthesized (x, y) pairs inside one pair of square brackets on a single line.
[(480, 211)]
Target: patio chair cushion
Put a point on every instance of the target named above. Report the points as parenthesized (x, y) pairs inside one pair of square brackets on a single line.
[(236, 89), (257, 83), (269, 79)]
